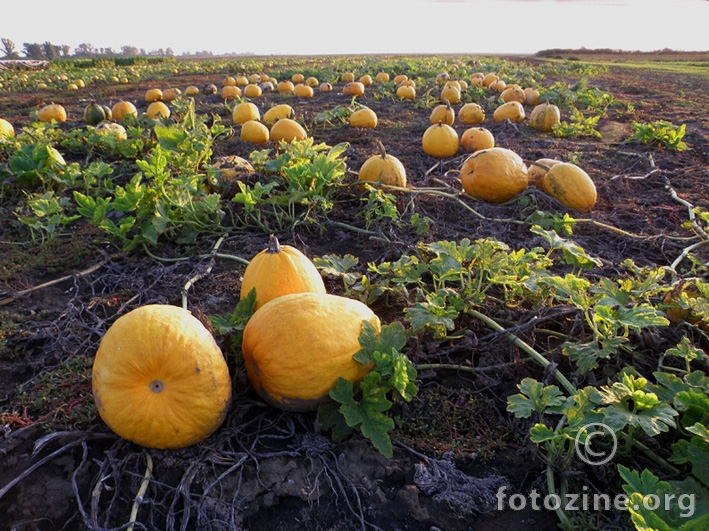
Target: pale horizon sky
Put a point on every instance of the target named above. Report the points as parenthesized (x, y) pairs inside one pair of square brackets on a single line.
[(318, 27)]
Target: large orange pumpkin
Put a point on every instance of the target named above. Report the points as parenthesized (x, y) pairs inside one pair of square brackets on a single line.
[(159, 379), (544, 117), (287, 130), (494, 175), (296, 347), (280, 270)]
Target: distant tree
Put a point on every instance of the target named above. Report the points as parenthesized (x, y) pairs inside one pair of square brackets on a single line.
[(65, 50), (33, 50), (85, 49), (9, 49), (51, 51), (169, 52), (129, 51)]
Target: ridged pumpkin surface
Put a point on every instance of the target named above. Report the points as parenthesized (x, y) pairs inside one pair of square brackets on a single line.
[(297, 346), (494, 175), (383, 168), (571, 186), (280, 270), (544, 116), (440, 141), (159, 379)]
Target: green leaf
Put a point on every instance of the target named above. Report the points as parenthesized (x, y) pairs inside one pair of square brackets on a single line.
[(390, 337), (541, 433), (534, 397)]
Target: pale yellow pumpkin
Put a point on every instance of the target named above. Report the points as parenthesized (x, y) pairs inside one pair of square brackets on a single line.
[(157, 109), (440, 141), (254, 132), (442, 113), (512, 111), (383, 168), (52, 112), (364, 117), (159, 379), (245, 111), (538, 170), (153, 94), (301, 90), (7, 130), (296, 346), (287, 130), (471, 114), (544, 117), (277, 112)]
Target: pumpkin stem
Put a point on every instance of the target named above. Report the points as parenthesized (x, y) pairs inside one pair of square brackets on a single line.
[(382, 151), (273, 245), (542, 166)]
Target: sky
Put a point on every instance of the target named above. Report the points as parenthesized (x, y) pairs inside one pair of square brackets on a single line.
[(310, 27)]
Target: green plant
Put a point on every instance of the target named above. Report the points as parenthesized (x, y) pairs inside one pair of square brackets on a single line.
[(363, 407), (659, 133)]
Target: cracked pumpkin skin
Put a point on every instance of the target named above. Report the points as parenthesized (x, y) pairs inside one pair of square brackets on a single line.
[(159, 379), (296, 346)]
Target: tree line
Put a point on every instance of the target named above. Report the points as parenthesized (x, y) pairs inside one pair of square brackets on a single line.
[(49, 52)]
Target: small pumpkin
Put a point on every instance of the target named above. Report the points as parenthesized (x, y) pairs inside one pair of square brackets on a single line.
[(477, 138), (531, 96), (158, 109), (366, 80), (301, 90), (52, 112), (278, 112), (230, 92), (112, 128), (252, 91), (544, 117), (285, 86), (159, 379), (245, 111), (512, 111), (297, 78), (364, 117), (296, 347), (498, 85), (287, 130), (192, 90), (279, 270), (450, 93), (94, 113), (383, 168), (512, 93), (325, 87), (442, 113), (538, 170), (7, 130), (382, 77), (122, 109), (229, 168), (354, 88), (471, 114), (312, 81), (440, 141), (494, 175), (254, 132), (169, 94), (406, 92), (347, 77), (153, 94), (571, 186)]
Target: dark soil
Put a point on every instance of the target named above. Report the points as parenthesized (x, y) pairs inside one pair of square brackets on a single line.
[(61, 468)]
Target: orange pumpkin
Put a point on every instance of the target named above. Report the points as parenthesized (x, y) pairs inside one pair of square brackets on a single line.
[(296, 347), (383, 168), (494, 175), (440, 141), (159, 379), (279, 270)]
